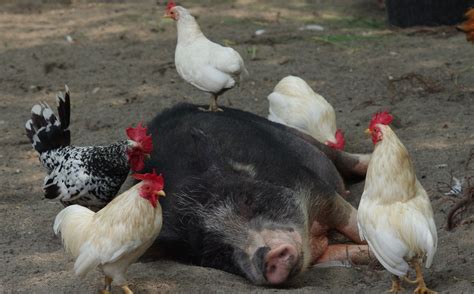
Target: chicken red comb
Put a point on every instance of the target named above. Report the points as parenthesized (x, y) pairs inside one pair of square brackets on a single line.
[(139, 135), (156, 180), (340, 141), (384, 118), (170, 5)]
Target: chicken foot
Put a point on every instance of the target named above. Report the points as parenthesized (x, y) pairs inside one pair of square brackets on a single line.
[(465, 201), (396, 286), (421, 289), (126, 289), (213, 107), (107, 285)]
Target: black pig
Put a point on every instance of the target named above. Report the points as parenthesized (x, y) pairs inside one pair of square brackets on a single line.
[(249, 196)]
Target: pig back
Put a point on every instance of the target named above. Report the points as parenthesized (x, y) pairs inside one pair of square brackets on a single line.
[(188, 142)]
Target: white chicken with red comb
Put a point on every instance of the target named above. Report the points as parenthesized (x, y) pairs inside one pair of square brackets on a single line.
[(92, 175), (206, 65), (295, 104), (395, 214), (117, 235)]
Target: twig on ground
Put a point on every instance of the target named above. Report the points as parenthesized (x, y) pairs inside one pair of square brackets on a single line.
[(466, 200), (427, 84)]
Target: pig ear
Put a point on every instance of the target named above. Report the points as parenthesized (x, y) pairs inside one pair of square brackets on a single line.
[(199, 136), (204, 148), (202, 142)]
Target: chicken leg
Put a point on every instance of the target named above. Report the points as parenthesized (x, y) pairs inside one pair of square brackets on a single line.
[(126, 289), (213, 107), (421, 289), (107, 286), (396, 287)]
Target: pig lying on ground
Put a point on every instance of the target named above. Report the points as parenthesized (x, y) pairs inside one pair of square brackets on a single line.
[(249, 196)]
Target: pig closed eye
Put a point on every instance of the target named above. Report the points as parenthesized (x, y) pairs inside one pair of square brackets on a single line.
[(259, 258)]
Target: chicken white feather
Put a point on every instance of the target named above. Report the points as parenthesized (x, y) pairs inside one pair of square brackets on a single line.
[(395, 214), (113, 238), (204, 64), (295, 104)]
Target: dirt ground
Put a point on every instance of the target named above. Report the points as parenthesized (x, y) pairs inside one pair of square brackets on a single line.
[(119, 67)]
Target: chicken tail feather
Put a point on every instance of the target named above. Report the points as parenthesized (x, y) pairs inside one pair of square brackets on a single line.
[(47, 132), (73, 222), (86, 262)]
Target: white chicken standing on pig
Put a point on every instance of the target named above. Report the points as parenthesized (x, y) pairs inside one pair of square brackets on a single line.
[(206, 65), (395, 215), (117, 235), (295, 104)]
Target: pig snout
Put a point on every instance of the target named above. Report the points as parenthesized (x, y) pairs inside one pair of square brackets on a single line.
[(279, 263), (276, 264)]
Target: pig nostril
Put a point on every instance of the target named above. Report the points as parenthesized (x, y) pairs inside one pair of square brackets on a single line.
[(284, 253), (272, 269)]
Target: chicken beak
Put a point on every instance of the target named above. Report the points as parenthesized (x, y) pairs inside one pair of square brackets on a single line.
[(367, 131), (167, 15), (161, 193)]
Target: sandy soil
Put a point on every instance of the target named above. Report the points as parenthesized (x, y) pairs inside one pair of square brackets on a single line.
[(120, 71)]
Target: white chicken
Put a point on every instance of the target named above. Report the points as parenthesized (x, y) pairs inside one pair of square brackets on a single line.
[(206, 65), (395, 214), (117, 235), (295, 104)]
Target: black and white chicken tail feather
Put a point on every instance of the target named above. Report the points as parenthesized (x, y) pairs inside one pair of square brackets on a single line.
[(47, 132)]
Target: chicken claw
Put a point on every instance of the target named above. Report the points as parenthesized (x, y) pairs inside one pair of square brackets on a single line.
[(107, 285), (396, 287), (126, 290), (213, 107), (421, 289)]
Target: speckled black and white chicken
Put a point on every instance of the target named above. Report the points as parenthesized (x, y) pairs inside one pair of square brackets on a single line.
[(90, 176)]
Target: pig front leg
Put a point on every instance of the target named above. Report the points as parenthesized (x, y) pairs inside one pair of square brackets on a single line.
[(341, 216), (354, 254)]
